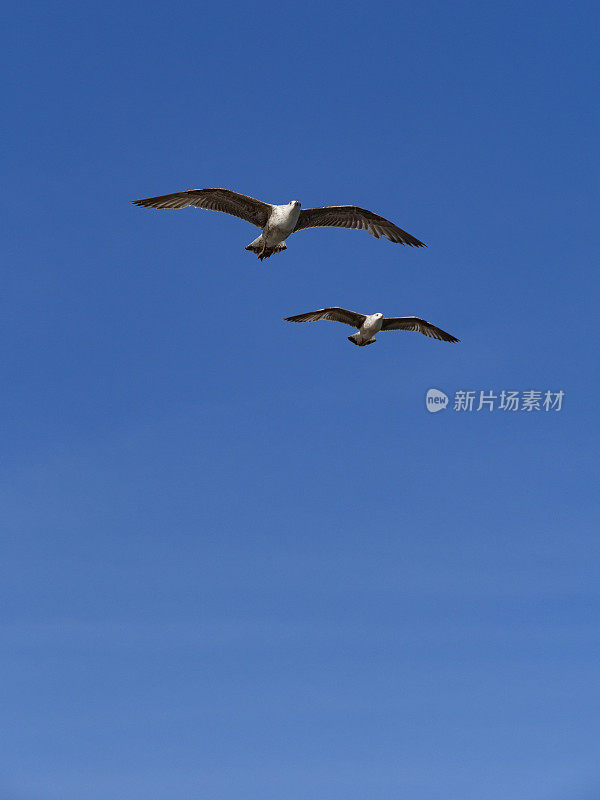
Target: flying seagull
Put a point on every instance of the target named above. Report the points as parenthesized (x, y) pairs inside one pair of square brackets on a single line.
[(370, 324), (278, 222)]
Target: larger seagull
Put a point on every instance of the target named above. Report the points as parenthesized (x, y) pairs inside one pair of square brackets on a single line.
[(279, 222), (370, 324)]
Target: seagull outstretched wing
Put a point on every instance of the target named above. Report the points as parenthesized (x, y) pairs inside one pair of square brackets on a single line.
[(416, 324), (335, 314), (240, 205), (355, 217)]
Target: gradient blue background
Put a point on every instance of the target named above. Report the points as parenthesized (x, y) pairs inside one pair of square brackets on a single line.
[(239, 558)]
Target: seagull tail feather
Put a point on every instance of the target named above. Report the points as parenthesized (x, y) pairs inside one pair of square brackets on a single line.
[(355, 340), (259, 247)]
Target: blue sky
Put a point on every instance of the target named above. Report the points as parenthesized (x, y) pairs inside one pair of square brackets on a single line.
[(240, 559)]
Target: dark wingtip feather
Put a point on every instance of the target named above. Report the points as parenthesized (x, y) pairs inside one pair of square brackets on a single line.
[(449, 338)]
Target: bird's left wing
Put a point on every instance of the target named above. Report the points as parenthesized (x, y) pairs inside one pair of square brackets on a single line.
[(355, 217), (416, 324), (335, 314), (240, 205)]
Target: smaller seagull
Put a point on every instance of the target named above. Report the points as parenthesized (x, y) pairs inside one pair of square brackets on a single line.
[(279, 222), (370, 324)]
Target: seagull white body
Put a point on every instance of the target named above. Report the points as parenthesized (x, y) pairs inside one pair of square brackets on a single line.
[(279, 226), (367, 331), (369, 325), (277, 222)]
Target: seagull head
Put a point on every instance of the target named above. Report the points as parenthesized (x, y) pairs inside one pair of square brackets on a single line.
[(378, 316), (294, 203)]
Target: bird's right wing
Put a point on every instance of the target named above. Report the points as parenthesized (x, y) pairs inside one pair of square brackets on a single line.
[(416, 324), (355, 217), (335, 314), (240, 205)]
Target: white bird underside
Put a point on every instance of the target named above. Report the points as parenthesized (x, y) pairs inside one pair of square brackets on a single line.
[(369, 325), (280, 221)]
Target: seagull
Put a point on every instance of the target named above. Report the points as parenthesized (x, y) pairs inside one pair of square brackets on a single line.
[(278, 222), (370, 324)]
